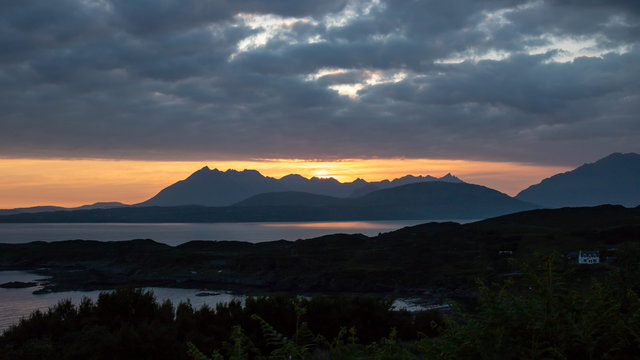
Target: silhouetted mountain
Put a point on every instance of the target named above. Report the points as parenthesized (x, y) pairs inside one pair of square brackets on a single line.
[(100, 205), (37, 209), (31, 210), (614, 179), (427, 200), (320, 186), (441, 200), (408, 179), (222, 188), (214, 188)]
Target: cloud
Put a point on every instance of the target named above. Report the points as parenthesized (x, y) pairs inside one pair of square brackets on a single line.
[(527, 81)]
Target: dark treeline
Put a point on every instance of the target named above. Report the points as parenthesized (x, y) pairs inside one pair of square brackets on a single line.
[(131, 323), (545, 312)]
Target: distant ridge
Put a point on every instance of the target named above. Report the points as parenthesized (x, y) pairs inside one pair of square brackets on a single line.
[(614, 179), (418, 201), (223, 188), (408, 179), (37, 209), (442, 200)]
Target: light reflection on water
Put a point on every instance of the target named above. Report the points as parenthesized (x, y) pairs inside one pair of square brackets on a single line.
[(19, 303), (178, 233), (339, 225)]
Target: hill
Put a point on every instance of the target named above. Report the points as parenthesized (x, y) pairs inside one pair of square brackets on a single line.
[(506, 272), (290, 198), (602, 216), (614, 179), (433, 255), (439, 200)]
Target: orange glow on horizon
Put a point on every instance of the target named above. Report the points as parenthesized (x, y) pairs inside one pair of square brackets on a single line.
[(69, 182), (334, 225)]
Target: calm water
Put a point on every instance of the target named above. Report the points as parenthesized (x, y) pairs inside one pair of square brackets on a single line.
[(176, 233), (18, 303)]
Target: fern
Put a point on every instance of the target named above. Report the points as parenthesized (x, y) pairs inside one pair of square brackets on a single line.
[(238, 348), (272, 336), (196, 354), (287, 348)]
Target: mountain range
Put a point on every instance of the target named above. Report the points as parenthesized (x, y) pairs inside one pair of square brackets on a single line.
[(222, 188), (214, 195), (614, 179), (423, 200)]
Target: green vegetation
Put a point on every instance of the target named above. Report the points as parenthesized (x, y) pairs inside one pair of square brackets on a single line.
[(130, 323), (545, 313), (549, 309)]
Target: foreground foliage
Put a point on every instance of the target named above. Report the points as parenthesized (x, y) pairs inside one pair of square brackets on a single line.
[(544, 313), (547, 316), (131, 324)]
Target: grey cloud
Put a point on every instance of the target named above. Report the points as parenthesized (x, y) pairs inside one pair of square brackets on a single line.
[(151, 16), (529, 84), (615, 21), (308, 58), (350, 77), (149, 79)]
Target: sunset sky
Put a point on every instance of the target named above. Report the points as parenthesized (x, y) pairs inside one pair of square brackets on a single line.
[(112, 100)]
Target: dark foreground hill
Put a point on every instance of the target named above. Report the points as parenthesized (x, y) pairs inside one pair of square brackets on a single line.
[(444, 256), (614, 179), (546, 309), (436, 261), (426, 200)]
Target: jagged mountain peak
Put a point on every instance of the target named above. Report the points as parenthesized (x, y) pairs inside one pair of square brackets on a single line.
[(221, 188), (360, 181), (451, 178), (325, 180)]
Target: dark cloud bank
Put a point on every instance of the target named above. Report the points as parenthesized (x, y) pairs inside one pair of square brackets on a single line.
[(195, 79)]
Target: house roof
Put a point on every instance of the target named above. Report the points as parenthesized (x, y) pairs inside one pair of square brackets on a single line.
[(589, 254)]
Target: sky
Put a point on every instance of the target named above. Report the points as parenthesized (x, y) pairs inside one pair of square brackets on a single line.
[(111, 100)]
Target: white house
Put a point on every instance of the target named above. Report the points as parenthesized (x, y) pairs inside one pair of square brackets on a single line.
[(588, 257)]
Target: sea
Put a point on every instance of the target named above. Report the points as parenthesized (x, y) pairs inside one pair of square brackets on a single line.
[(177, 233), (18, 303)]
